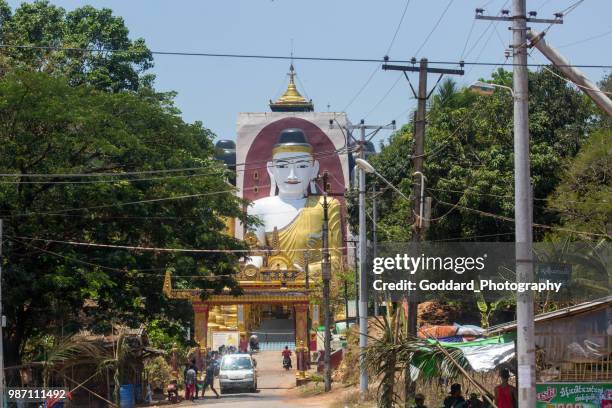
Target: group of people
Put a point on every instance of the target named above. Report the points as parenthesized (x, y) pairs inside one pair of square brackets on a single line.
[(190, 377), (505, 396)]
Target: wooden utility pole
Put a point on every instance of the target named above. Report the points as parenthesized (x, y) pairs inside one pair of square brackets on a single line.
[(418, 189), (418, 157), (326, 276)]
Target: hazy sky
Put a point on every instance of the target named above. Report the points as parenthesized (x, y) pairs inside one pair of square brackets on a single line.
[(214, 90)]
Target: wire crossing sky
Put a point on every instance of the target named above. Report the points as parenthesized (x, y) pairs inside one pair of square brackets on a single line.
[(214, 90)]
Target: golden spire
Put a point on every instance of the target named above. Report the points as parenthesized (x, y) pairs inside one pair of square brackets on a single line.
[(291, 100)]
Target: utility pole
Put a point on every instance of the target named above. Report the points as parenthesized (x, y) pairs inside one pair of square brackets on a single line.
[(523, 209), (326, 276), (363, 277), (2, 382), (374, 240), (574, 74), (418, 159), (523, 201)]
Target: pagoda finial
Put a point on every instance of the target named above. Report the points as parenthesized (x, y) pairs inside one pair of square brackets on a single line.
[(291, 100)]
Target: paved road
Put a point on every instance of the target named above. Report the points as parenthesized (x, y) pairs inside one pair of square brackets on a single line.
[(274, 385)]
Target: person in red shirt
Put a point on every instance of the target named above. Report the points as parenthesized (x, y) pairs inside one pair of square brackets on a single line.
[(287, 356), (505, 394)]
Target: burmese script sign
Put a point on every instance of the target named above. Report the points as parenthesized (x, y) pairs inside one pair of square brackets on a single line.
[(574, 395)]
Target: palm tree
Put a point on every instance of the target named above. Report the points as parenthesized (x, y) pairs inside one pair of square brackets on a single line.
[(446, 93), (380, 357), (69, 353)]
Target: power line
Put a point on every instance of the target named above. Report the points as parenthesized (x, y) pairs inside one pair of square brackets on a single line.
[(364, 86), (398, 27), (509, 219), (473, 237), (468, 39), (434, 27), (585, 39), (383, 97), (573, 83), (153, 200), (369, 79), (288, 58), (155, 249), (124, 270), (316, 155)]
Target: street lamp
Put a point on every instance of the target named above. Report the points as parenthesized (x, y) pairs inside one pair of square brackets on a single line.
[(485, 88), (368, 168)]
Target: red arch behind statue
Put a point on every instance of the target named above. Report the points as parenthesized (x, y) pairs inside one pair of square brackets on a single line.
[(256, 182)]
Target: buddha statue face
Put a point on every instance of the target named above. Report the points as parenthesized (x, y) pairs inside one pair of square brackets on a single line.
[(293, 167), (292, 172)]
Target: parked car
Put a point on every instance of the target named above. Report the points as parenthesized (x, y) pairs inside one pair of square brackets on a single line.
[(237, 371)]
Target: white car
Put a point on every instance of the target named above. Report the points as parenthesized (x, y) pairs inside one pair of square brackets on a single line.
[(237, 371)]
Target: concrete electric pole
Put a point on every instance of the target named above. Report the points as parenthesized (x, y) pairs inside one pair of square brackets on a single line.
[(572, 73), (362, 247), (523, 201), (326, 277)]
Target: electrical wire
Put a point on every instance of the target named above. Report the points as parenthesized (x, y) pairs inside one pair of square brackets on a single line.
[(363, 87), (434, 27), (573, 83), (509, 219), (317, 155), (124, 270), (468, 38), (155, 249), (398, 27), (586, 39), (288, 58), (383, 97), (473, 237), (153, 200)]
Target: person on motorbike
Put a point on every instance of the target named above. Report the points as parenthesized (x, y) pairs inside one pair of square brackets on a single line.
[(286, 357), (254, 343)]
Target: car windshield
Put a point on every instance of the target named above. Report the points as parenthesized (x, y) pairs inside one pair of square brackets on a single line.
[(236, 363)]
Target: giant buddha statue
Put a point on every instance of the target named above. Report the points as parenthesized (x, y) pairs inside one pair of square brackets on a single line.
[(292, 216)]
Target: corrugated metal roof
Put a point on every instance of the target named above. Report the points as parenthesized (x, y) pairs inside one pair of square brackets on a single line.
[(557, 314)]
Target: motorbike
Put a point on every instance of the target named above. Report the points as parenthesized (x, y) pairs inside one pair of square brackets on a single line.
[(173, 393), (286, 362)]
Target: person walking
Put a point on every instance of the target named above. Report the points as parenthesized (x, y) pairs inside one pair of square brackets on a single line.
[(209, 378), (190, 382), (505, 394)]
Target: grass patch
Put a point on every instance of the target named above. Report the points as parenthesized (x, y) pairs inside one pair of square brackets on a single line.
[(311, 389), (352, 399)]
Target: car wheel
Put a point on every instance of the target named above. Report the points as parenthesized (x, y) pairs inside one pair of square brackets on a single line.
[(222, 390)]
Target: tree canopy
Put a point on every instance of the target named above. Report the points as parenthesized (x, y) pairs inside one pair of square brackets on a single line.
[(115, 63), (50, 128), (469, 158)]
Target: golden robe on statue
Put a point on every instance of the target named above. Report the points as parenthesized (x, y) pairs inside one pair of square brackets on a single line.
[(305, 232)]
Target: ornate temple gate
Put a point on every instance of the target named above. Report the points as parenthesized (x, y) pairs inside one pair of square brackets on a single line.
[(279, 287)]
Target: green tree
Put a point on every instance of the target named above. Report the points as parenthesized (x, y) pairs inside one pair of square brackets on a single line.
[(469, 158), (42, 24), (48, 126), (582, 198)]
